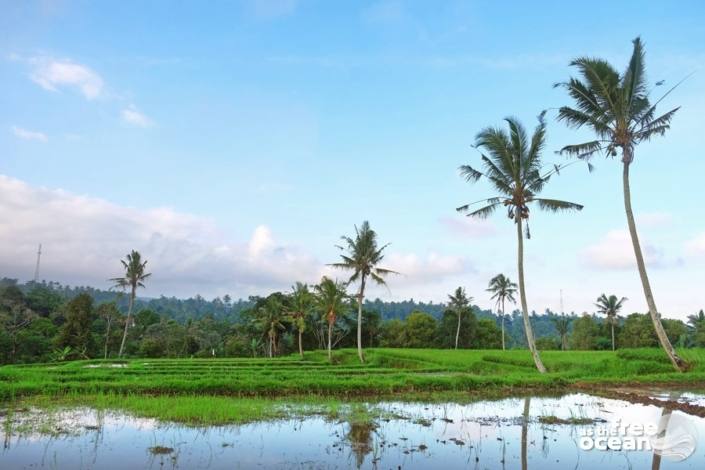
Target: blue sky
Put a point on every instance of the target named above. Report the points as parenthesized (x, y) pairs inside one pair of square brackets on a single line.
[(234, 142)]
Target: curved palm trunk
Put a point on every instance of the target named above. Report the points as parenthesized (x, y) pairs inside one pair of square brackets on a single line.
[(676, 360), (360, 299), (522, 295), (503, 348), (127, 322), (457, 331)]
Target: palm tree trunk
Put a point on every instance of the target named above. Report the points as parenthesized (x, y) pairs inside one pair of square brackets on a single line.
[(503, 348), (330, 342), (360, 299), (457, 331), (525, 434), (612, 335), (127, 322), (677, 362), (107, 338), (522, 295), (301, 348)]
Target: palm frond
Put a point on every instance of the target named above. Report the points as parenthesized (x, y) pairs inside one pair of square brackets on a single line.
[(555, 205)]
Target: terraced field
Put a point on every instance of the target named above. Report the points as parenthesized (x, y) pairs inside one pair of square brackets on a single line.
[(387, 371)]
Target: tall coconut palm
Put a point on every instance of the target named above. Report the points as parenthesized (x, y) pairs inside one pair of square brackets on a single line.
[(562, 325), (513, 168), (134, 277), (617, 109), (458, 302), (610, 306), (502, 289), (302, 301), (332, 300), (361, 255), (270, 318)]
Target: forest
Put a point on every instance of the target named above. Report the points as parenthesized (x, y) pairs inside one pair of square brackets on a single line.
[(45, 321)]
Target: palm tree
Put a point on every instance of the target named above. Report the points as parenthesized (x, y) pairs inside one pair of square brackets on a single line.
[(271, 318), (502, 289), (562, 324), (135, 276), (457, 303), (617, 108), (301, 304), (610, 306), (696, 320), (332, 300), (514, 170), (361, 255)]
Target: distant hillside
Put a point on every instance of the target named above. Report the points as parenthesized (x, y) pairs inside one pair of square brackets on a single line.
[(226, 308)]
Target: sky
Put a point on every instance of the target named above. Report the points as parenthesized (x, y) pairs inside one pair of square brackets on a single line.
[(233, 143)]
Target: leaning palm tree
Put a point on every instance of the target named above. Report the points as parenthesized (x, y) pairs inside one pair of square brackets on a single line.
[(134, 277), (361, 255), (332, 300), (610, 306), (301, 304), (617, 109), (514, 170), (502, 289), (458, 302)]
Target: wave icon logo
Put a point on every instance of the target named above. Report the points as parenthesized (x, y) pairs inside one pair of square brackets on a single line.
[(676, 437)]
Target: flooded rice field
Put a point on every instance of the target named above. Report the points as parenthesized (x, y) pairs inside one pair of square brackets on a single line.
[(572, 431)]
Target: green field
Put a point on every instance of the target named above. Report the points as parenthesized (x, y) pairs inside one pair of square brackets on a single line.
[(387, 371)]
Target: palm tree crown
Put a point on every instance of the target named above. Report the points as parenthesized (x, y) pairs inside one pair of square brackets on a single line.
[(362, 254), (458, 300), (502, 289), (609, 306), (514, 170), (615, 106), (331, 297), (135, 274)]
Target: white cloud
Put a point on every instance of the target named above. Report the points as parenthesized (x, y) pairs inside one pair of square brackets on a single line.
[(433, 267), (696, 246), (84, 238), (614, 251), (25, 134), (52, 74), (132, 115), (469, 226)]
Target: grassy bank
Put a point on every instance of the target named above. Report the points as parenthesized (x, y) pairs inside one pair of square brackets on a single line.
[(388, 371)]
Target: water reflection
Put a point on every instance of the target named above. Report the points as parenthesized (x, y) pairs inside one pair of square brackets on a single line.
[(532, 432)]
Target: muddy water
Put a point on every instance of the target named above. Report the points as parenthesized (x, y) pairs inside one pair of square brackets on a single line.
[(519, 433)]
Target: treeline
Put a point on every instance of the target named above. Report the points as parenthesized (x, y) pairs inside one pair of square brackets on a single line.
[(41, 323)]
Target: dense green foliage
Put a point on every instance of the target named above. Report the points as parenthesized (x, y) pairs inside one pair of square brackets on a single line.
[(40, 324)]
